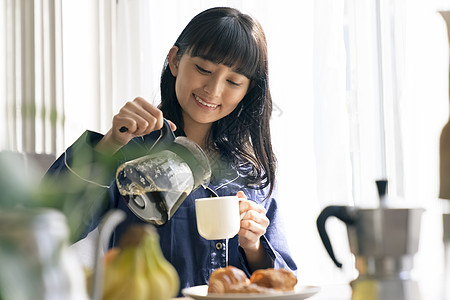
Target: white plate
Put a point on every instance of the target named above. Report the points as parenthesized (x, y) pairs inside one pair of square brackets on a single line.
[(200, 292)]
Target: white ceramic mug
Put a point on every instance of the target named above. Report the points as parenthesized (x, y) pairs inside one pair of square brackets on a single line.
[(218, 217)]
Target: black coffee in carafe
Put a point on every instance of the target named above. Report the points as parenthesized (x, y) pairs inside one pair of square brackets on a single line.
[(155, 185)]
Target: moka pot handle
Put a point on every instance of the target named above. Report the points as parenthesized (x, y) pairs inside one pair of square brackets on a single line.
[(340, 212)]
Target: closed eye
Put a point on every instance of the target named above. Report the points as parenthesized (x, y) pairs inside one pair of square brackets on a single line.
[(234, 83), (201, 70)]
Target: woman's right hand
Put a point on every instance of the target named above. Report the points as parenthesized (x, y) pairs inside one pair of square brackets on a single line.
[(139, 117)]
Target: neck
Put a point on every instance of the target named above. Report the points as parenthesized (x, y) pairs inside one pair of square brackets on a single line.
[(196, 132)]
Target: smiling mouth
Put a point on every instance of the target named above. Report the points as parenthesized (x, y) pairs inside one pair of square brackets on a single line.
[(205, 103)]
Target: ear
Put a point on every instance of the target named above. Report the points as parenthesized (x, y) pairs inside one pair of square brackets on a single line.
[(173, 60)]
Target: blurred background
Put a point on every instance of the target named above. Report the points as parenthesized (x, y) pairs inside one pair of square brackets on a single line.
[(360, 91)]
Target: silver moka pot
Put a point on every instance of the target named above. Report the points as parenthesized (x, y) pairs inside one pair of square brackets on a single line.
[(384, 241)]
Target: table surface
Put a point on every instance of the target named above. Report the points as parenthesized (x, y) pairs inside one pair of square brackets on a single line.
[(430, 268), (343, 292)]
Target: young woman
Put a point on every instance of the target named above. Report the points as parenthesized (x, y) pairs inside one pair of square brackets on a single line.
[(214, 90)]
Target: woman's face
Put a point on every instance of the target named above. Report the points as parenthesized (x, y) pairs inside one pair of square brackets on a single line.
[(206, 91)]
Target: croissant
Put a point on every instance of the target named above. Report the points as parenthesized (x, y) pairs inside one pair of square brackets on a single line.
[(233, 280), (227, 280), (278, 279)]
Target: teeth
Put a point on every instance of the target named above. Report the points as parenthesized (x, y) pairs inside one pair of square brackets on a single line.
[(204, 103)]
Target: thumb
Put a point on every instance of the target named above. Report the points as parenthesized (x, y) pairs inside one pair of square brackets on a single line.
[(172, 125), (241, 195)]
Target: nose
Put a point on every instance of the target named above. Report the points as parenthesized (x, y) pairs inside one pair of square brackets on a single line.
[(213, 86)]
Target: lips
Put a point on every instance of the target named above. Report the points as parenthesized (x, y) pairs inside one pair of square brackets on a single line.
[(202, 102)]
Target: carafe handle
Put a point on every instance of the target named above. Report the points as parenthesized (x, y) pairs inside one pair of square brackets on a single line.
[(340, 212), (167, 134), (165, 138)]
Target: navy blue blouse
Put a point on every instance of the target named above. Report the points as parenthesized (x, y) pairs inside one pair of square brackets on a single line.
[(194, 257)]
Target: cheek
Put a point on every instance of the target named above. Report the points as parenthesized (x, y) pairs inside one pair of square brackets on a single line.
[(177, 89), (234, 98), (185, 84), (180, 88)]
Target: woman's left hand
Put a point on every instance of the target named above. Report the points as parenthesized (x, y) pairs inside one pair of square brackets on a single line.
[(253, 224)]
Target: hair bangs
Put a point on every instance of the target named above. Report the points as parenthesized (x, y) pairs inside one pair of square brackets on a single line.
[(228, 44)]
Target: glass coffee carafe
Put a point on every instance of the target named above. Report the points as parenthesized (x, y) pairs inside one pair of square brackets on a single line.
[(155, 185)]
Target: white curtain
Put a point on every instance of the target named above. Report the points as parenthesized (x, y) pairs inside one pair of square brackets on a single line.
[(354, 100), (307, 78), (90, 66), (31, 90)]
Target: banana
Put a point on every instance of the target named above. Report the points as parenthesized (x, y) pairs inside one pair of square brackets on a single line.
[(139, 271)]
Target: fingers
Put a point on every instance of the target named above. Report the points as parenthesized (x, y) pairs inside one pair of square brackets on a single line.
[(254, 223), (247, 205), (251, 231), (139, 117), (136, 118)]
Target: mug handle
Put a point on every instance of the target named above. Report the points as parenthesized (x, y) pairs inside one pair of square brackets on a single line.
[(340, 212)]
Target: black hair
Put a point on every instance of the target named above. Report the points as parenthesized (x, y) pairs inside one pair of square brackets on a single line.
[(227, 36)]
